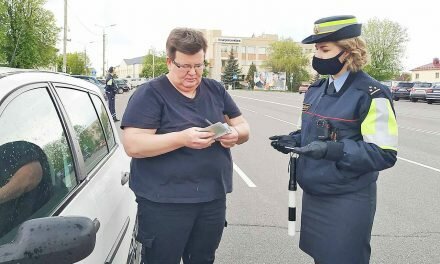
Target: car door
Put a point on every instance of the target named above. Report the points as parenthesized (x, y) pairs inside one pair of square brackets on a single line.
[(104, 186), (33, 132), (83, 169)]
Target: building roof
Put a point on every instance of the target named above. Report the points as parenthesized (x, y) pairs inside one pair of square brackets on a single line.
[(137, 60), (434, 65)]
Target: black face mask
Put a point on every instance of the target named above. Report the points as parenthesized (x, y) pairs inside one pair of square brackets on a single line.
[(328, 66)]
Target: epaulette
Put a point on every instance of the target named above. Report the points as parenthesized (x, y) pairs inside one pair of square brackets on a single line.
[(374, 91), (318, 83)]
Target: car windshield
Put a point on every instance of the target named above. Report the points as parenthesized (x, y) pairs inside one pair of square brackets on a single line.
[(405, 84), (422, 85)]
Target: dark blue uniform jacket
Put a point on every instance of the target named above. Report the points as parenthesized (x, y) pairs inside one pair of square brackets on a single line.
[(345, 111)]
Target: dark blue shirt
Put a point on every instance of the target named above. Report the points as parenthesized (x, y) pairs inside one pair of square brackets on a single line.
[(184, 175)]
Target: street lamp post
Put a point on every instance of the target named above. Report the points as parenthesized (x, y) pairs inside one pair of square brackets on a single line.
[(85, 56), (153, 52), (103, 45)]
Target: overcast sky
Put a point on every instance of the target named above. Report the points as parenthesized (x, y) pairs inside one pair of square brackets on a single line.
[(142, 25)]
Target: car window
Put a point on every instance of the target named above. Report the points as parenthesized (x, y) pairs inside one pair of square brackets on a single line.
[(87, 126), (36, 165), (422, 85), (105, 121), (405, 84)]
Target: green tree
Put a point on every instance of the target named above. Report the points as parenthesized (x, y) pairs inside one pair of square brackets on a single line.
[(31, 34), (287, 56), (386, 43), (206, 69), (232, 71), (160, 65), (76, 63), (250, 75), (3, 30)]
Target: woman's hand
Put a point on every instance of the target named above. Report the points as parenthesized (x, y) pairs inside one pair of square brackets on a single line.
[(229, 140), (196, 139)]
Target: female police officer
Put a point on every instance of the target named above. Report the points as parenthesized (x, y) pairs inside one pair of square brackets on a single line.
[(348, 134)]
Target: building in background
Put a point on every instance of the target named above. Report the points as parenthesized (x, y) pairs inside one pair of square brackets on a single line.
[(427, 73), (247, 50), (130, 68)]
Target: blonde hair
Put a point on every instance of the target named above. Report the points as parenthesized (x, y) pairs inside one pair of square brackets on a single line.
[(357, 53)]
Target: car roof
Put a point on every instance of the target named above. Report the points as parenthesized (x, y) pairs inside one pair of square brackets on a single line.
[(11, 78)]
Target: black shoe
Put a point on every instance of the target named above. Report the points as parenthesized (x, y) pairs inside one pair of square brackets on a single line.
[(116, 119)]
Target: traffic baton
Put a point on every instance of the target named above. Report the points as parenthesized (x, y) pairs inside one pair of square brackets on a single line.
[(292, 195)]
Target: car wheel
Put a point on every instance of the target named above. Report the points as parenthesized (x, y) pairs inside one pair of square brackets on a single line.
[(429, 101), (120, 90), (414, 100), (396, 98)]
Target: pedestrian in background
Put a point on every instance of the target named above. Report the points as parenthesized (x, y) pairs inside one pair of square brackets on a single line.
[(110, 90), (348, 134), (179, 173)]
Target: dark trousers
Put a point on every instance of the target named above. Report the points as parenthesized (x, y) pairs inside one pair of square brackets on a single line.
[(170, 232), (111, 102)]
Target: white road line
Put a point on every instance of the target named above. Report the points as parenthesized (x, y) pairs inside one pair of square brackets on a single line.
[(249, 110), (281, 120), (243, 176), (271, 102), (436, 133), (409, 128), (419, 164)]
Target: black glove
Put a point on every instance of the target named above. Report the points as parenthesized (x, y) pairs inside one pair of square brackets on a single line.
[(283, 144), (315, 150), (329, 150)]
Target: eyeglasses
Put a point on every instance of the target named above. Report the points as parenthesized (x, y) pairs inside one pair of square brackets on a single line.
[(187, 67)]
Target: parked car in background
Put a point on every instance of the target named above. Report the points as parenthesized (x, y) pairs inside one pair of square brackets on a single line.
[(401, 90), (303, 87), (418, 92), (93, 80), (80, 207), (135, 82), (433, 94), (122, 86)]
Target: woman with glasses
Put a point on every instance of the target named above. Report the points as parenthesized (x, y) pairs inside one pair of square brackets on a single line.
[(181, 173)]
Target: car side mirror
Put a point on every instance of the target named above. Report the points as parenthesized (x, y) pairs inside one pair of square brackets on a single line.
[(51, 240)]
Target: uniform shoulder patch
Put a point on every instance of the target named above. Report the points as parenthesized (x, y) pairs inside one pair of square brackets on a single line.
[(374, 91), (306, 107)]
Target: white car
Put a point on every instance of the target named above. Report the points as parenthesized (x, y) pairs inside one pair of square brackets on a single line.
[(135, 82), (64, 194)]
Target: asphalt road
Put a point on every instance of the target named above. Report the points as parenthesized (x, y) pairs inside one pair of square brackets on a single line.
[(407, 223)]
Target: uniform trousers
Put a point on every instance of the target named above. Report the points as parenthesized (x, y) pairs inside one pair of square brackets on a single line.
[(111, 102), (170, 232)]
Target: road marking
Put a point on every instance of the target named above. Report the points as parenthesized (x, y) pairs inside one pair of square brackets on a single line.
[(436, 133), (281, 120), (409, 128), (419, 164), (243, 176), (249, 110), (271, 102)]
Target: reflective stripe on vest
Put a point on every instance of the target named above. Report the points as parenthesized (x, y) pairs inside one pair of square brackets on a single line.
[(380, 126)]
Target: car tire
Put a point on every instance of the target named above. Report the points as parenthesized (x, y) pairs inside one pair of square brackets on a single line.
[(414, 100), (396, 98), (429, 101), (120, 90)]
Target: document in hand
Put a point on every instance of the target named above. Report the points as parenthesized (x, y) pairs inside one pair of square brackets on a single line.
[(218, 128)]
